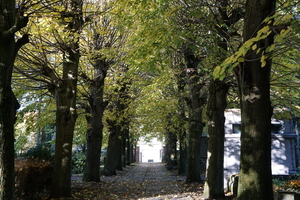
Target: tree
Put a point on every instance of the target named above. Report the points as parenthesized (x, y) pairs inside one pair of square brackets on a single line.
[(225, 18), (252, 66), (62, 82), (11, 21), (255, 180), (195, 103), (118, 122), (214, 185), (182, 162), (64, 91), (104, 37), (54, 61)]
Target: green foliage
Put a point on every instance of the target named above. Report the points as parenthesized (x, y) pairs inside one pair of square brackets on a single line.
[(78, 162), (104, 172), (32, 177), (278, 25), (42, 152), (21, 141)]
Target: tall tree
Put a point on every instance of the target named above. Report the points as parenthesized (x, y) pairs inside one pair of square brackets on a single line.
[(182, 161), (54, 61), (225, 17), (255, 177), (64, 90), (195, 102), (94, 110), (118, 123), (104, 36), (214, 185), (11, 21)]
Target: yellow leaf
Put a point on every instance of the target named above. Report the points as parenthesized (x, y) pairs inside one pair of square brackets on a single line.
[(240, 59), (254, 47), (286, 4), (265, 30), (287, 17), (263, 60), (257, 51), (248, 43), (272, 47), (217, 71)]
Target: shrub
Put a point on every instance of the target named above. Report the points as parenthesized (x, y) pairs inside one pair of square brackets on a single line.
[(78, 162), (42, 152), (32, 177)]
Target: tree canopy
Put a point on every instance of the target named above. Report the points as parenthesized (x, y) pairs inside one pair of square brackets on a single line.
[(150, 56)]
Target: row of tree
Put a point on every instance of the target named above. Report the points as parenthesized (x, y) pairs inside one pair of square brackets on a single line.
[(135, 67)]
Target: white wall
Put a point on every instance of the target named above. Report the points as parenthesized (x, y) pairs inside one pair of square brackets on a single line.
[(283, 147), (151, 151)]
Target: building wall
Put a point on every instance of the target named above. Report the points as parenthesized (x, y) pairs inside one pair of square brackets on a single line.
[(284, 147), (150, 152)]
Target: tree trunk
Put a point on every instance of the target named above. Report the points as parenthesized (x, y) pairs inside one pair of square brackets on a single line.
[(214, 185), (7, 120), (132, 153), (128, 149), (171, 149), (195, 104), (182, 164), (65, 90), (122, 103), (182, 136), (119, 148), (124, 151), (255, 177), (95, 135), (10, 23), (65, 96), (111, 155)]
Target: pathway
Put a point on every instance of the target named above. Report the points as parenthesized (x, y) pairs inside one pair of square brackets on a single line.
[(149, 181)]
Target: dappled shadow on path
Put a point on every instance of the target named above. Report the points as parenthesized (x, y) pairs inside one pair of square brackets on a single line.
[(149, 181), (146, 181)]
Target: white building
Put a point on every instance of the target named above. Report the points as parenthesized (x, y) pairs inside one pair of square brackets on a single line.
[(284, 145), (150, 151)]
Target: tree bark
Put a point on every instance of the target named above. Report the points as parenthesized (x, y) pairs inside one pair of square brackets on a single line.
[(214, 185), (182, 137), (65, 122), (95, 133), (119, 148), (65, 90), (195, 104), (128, 158), (182, 164), (171, 157), (255, 177), (111, 155), (10, 23)]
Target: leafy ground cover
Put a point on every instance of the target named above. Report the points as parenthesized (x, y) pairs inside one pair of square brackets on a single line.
[(151, 182), (141, 181), (287, 185)]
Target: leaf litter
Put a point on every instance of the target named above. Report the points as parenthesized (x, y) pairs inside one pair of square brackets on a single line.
[(149, 181)]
